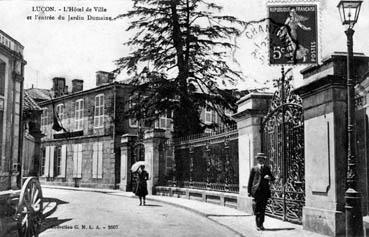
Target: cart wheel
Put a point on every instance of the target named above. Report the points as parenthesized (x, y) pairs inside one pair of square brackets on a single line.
[(29, 210)]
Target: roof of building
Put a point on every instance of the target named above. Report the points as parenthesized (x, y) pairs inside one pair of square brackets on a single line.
[(52, 99), (39, 94), (10, 43), (29, 103)]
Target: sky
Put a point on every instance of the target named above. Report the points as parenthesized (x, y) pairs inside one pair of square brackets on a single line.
[(77, 49)]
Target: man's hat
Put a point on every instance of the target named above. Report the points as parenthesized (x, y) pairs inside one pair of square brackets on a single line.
[(261, 155)]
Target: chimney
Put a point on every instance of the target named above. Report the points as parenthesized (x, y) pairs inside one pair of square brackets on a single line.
[(77, 85), (104, 78), (59, 86)]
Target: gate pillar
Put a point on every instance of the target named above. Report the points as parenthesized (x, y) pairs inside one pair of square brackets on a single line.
[(251, 110), (325, 124), (125, 161), (153, 140)]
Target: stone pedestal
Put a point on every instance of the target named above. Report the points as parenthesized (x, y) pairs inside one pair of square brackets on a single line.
[(154, 141), (251, 110), (125, 160)]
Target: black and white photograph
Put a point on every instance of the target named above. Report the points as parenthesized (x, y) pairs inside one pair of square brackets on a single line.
[(185, 118)]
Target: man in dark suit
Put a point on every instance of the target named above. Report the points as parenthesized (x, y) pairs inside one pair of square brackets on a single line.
[(259, 189)]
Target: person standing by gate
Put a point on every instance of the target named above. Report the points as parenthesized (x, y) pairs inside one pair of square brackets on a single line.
[(258, 188), (141, 187)]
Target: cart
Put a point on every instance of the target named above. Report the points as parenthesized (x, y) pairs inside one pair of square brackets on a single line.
[(24, 213)]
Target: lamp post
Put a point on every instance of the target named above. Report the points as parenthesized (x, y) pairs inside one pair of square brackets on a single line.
[(349, 13)]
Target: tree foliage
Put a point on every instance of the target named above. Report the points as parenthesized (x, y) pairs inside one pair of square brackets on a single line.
[(179, 60)]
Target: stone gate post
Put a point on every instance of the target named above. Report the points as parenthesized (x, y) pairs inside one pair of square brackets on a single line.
[(125, 160), (251, 110), (153, 140), (325, 134)]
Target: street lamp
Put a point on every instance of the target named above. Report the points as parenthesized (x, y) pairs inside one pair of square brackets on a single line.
[(349, 13)]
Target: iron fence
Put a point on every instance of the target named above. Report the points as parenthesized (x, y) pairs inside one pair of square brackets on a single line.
[(207, 161)]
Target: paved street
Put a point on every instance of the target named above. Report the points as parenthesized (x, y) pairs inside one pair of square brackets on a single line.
[(79, 213)]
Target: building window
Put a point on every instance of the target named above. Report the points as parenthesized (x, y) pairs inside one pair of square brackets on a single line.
[(57, 160), (2, 79), (97, 160), (133, 123), (43, 160), (165, 121), (210, 115), (207, 115), (60, 111), (99, 111), (79, 106), (60, 156), (44, 117)]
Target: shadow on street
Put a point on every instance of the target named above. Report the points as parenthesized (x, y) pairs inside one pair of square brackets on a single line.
[(277, 229), (50, 206), (152, 205)]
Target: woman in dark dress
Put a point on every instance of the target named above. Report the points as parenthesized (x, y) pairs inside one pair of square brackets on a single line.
[(141, 187)]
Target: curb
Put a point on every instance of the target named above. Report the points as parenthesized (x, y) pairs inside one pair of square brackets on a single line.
[(199, 213), (149, 198), (79, 189)]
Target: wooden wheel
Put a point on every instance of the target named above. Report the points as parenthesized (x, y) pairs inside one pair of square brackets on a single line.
[(29, 210)]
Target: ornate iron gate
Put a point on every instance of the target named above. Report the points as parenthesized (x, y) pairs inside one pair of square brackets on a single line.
[(137, 153), (283, 142)]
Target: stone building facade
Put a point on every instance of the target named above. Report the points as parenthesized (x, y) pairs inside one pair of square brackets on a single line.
[(86, 151), (11, 86)]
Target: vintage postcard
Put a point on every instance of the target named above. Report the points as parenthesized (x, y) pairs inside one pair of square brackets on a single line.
[(184, 118)]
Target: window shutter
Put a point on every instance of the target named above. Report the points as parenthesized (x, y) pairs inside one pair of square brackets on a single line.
[(82, 114), (94, 160), (75, 160), (63, 161), (75, 115), (100, 160), (47, 162), (51, 159), (79, 164)]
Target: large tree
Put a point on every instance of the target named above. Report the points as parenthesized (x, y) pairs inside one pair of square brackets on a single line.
[(180, 60)]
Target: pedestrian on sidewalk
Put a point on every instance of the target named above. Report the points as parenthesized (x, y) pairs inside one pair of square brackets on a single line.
[(258, 188), (141, 187)]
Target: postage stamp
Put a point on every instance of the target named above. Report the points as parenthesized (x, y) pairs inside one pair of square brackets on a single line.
[(293, 34)]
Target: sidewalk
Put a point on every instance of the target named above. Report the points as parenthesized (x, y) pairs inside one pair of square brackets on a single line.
[(241, 223)]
